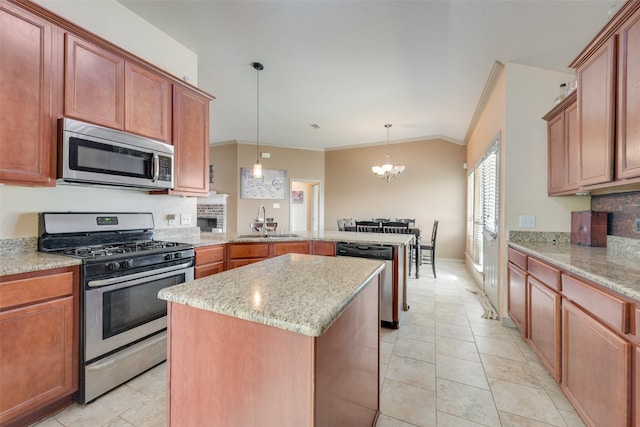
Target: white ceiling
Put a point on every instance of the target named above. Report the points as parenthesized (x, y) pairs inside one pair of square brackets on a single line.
[(352, 66)]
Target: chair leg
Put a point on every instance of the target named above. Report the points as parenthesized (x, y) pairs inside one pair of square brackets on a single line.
[(433, 263)]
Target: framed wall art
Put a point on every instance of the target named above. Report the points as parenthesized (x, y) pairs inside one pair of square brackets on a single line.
[(297, 196), (272, 185)]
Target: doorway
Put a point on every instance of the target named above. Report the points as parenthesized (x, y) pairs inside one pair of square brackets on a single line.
[(304, 205)]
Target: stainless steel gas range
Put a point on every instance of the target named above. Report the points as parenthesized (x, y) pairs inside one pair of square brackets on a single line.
[(122, 322)]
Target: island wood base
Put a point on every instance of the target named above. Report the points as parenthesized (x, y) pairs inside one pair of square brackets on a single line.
[(224, 371)]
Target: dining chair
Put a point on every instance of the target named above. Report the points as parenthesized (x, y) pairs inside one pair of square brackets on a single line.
[(395, 227), (410, 221), (341, 224), (428, 251), (381, 219), (368, 226)]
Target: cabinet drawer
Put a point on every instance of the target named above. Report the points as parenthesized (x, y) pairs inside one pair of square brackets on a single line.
[(324, 248), (291, 248), (209, 254), (635, 330), (240, 262), (518, 258), (34, 289), (544, 273), (249, 250), (209, 269), (609, 309)]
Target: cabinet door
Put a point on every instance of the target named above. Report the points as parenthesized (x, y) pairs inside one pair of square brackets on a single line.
[(558, 170), (208, 269), (36, 356), (27, 71), (517, 297), (636, 388), (595, 369), (290, 248), (191, 142), (596, 105), (147, 103), (628, 113), (94, 84), (572, 146), (544, 325), (324, 248)]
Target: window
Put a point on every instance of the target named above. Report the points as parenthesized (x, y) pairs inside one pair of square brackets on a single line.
[(482, 202)]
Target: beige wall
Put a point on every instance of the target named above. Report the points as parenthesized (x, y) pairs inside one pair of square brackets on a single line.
[(521, 97), (433, 186), (300, 165)]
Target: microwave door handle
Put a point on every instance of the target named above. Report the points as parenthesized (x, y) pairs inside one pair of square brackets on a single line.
[(155, 164)]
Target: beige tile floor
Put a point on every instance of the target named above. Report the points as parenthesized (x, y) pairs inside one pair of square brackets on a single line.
[(445, 367)]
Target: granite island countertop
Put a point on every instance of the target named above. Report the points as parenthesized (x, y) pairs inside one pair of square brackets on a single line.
[(206, 238), (299, 293), (613, 269)]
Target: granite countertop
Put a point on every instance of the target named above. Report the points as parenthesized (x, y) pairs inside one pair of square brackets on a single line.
[(299, 293), (615, 269), (25, 261), (206, 239)]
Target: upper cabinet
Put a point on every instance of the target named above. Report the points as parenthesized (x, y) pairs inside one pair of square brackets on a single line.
[(191, 142), (28, 66), (608, 101), (563, 148), (102, 88), (51, 68), (628, 114)]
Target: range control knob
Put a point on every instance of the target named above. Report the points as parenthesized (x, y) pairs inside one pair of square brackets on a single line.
[(113, 266), (168, 257), (127, 263), (177, 255)]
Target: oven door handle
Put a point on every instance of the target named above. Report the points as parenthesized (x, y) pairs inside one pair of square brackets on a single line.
[(120, 279)]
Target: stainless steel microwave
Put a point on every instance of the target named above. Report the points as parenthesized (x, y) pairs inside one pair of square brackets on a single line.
[(97, 155)]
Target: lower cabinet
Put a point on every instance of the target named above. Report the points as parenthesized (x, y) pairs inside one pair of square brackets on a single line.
[(636, 386), (38, 344), (517, 297), (324, 248), (239, 254), (544, 325), (595, 369), (282, 248), (209, 260)]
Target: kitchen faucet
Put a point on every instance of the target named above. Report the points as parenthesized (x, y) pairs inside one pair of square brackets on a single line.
[(264, 219)]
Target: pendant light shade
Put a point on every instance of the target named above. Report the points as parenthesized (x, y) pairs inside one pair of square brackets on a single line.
[(387, 171), (257, 167)]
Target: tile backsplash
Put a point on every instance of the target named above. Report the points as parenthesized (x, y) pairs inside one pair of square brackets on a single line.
[(624, 213)]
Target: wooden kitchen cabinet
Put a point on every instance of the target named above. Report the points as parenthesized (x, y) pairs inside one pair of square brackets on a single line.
[(209, 260), (628, 107), (636, 387), (28, 84), (94, 83), (147, 103), (517, 289), (281, 248), (563, 147), (544, 313), (319, 247), (101, 87), (191, 142), (596, 114), (596, 369), (38, 343), (239, 254)]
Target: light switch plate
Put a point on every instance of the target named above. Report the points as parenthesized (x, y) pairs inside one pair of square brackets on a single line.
[(172, 219), (185, 219), (527, 221)]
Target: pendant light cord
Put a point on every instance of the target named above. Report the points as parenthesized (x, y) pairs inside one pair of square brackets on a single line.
[(258, 115)]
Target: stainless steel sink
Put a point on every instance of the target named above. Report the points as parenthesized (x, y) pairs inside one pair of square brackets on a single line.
[(262, 236)]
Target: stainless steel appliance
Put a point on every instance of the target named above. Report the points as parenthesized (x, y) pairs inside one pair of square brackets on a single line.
[(122, 322), (97, 155), (389, 297)]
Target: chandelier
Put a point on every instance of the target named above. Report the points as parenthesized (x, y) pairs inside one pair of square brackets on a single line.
[(387, 170), (257, 167)]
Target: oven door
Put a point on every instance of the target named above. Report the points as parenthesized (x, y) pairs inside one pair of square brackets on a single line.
[(127, 308)]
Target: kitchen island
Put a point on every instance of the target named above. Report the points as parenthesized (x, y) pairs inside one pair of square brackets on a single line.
[(289, 341)]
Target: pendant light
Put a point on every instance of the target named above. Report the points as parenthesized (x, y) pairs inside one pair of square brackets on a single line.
[(257, 167), (387, 170)]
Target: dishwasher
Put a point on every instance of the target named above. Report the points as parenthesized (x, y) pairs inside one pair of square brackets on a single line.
[(389, 301)]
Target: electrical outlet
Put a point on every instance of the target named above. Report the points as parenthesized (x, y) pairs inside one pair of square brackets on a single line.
[(185, 219), (276, 206), (527, 221), (172, 219)]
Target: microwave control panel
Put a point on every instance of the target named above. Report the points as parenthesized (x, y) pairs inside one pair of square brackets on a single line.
[(164, 173)]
